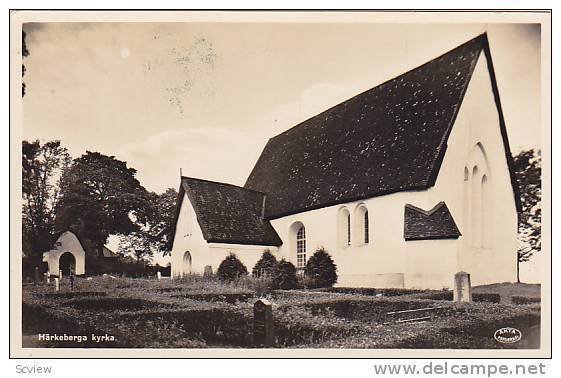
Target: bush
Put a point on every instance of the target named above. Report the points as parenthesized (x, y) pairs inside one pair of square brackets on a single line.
[(321, 269), (284, 276), (231, 268), (266, 265)]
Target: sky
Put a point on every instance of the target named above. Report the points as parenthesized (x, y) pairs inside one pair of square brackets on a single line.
[(206, 97)]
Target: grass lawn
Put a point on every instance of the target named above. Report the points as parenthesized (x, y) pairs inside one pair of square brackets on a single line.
[(200, 312)]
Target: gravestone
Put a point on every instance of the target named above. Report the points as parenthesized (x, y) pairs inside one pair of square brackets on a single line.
[(48, 277), (36, 277), (60, 274), (207, 271), (263, 332), (57, 286), (159, 274), (462, 287)]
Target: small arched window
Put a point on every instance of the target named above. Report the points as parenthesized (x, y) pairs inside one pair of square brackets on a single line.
[(362, 225), (301, 247), (366, 228), (344, 227)]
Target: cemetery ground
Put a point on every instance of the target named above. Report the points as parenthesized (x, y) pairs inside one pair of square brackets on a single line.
[(201, 312)]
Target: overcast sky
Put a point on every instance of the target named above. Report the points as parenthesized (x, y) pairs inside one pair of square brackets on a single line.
[(206, 96)]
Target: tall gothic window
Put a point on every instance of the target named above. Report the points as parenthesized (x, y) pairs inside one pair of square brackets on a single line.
[(362, 225)]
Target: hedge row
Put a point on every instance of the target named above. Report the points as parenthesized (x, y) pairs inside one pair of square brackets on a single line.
[(519, 300)]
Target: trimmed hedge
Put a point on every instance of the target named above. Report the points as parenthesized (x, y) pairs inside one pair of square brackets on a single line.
[(215, 297), (231, 268), (520, 300), (392, 292)]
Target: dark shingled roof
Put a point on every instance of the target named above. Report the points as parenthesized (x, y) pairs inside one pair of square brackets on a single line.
[(227, 213), (437, 223), (388, 139)]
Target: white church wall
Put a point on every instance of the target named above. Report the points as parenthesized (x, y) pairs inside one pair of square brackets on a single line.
[(431, 264), (189, 238), (67, 242), (488, 245), (380, 262)]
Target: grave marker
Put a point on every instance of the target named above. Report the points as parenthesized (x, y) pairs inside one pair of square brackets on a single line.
[(57, 286), (207, 271), (462, 287), (263, 332), (159, 275)]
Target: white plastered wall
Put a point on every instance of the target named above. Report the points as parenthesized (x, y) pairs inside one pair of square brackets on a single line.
[(189, 238), (66, 242), (476, 140)]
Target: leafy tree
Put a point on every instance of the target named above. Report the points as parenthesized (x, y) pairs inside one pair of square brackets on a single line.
[(155, 221), (231, 268), (266, 265), (24, 53), (101, 196), (42, 168), (527, 165), (321, 269), (284, 276)]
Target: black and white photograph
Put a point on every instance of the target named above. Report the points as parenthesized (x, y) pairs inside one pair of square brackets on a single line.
[(280, 182)]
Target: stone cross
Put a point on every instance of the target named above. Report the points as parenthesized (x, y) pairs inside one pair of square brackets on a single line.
[(462, 287), (57, 286), (263, 331)]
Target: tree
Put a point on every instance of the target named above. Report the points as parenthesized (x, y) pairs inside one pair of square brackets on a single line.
[(321, 269), (155, 221), (42, 168), (284, 276), (231, 268), (527, 165), (266, 265), (100, 196), (24, 53)]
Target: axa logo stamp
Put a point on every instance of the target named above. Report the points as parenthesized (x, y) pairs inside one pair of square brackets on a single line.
[(508, 335)]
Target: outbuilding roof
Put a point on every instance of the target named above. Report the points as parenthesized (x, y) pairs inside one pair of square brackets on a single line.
[(436, 223), (390, 138), (228, 213)]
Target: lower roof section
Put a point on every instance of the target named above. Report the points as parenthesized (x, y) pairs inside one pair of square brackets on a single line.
[(436, 223), (229, 214)]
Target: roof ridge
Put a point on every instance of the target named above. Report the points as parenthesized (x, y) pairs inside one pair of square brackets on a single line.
[(482, 36), (426, 212), (222, 183)]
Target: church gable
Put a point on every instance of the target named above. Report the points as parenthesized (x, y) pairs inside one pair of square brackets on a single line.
[(390, 138), (436, 223)]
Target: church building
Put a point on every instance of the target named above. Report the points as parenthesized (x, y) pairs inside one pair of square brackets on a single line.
[(403, 185)]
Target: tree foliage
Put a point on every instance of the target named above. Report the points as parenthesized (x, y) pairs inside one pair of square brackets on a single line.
[(24, 53), (321, 269), (155, 226), (101, 196), (528, 172), (266, 265), (231, 268), (284, 276), (43, 166)]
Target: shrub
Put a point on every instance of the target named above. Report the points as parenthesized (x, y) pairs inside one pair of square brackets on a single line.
[(284, 276), (231, 268), (321, 269), (266, 265)]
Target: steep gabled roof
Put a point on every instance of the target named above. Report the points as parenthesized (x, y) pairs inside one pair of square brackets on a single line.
[(436, 223), (227, 213), (390, 138)]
